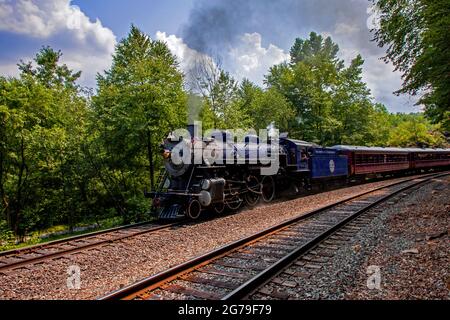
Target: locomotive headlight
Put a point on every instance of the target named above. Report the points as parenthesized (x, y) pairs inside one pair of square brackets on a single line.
[(206, 184)]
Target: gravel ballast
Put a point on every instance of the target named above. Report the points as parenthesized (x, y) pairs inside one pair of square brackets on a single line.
[(122, 263), (414, 254), (406, 243)]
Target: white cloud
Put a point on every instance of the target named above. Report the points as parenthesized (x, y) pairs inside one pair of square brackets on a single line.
[(251, 60), (9, 70), (383, 81), (45, 18), (186, 56), (248, 59), (86, 45)]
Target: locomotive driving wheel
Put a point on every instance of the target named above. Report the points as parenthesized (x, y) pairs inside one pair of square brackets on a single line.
[(194, 209), (234, 203), (253, 193), (268, 188)]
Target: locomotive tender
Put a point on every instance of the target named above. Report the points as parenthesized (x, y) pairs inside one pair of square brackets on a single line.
[(188, 188)]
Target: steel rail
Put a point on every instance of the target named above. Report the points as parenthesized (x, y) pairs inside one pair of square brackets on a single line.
[(261, 278), (85, 236), (15, 254), (77, 237), (155, 281)]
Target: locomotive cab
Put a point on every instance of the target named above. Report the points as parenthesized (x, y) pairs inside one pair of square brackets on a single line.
[(298, 154)]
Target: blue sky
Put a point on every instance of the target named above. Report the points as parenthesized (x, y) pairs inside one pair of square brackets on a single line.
[(248, 35), (149, 15)]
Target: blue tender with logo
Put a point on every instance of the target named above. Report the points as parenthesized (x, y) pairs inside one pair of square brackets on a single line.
[(326, 163)]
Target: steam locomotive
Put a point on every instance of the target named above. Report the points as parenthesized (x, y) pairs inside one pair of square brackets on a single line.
[(234, 174)]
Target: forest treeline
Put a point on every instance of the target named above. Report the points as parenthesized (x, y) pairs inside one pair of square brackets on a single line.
[(70, 154)]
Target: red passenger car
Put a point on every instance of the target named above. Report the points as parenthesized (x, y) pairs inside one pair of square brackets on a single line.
[(427, 158), (376, 160)]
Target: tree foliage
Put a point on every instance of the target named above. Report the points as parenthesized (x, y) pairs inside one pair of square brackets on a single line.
[(327, 97), (140, 99), (42, 117), (416, 36), (67, 158), (414, 130)]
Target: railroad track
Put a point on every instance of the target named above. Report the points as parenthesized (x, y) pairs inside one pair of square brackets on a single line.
[(236, 270), (26, 257)]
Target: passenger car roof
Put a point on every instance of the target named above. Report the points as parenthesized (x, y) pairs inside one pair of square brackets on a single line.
[(388, 149), (301, 143)]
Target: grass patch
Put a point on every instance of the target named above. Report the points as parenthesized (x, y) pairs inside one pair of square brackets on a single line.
[(8, 242)]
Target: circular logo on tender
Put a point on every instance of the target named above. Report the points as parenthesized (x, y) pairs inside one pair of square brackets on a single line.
[(332, 166)]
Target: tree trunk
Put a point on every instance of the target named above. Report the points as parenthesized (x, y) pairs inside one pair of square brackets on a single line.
[(3, 199), (17, 208), (150, 159), (4, 204), (117, 202)]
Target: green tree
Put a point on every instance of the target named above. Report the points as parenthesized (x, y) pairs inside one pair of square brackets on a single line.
[(414, 130), (379, 127), (220, 92), (140, 99), (353, 109), (416, 34), (48, 71), (270, 107), (42, 117), (308, 84), (332, 104), (313, 48)]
